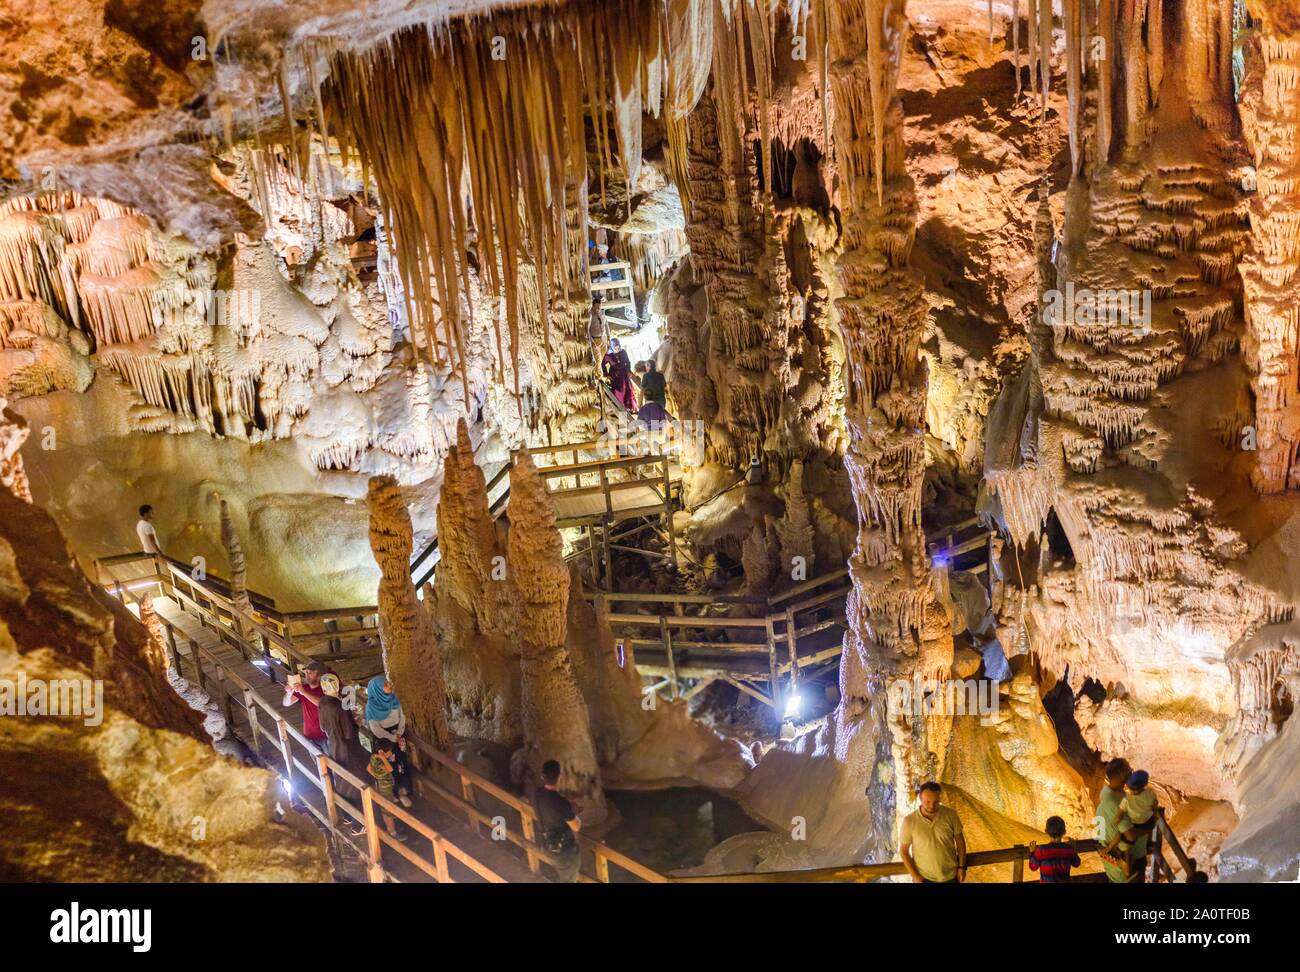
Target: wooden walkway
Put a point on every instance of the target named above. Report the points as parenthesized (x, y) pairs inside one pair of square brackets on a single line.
[(240, 658), (463, 826), (710, 638), (598, 489)]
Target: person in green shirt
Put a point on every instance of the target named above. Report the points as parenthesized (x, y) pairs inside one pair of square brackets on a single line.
[(1111, 822), (931, 842)]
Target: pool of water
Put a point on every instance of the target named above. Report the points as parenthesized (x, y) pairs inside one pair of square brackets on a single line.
[(674, 828)]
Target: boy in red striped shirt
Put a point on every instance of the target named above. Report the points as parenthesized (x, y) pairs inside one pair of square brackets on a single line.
[(1055, 859)]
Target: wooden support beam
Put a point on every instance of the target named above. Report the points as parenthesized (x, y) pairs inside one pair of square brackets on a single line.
[(771, 660), (667, 637), (374, 847), (749, 690)]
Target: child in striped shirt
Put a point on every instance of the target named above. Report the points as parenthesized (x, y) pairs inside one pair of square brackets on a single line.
[(1054, 859)]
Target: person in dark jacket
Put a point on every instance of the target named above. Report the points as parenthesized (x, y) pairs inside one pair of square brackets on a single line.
[(339, 736), (1054, 859), (558, 825)]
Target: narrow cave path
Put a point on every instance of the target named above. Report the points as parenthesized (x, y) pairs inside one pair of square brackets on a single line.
[(454, 828)]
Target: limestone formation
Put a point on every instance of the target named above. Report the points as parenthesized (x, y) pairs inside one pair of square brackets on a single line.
[(235, 557), (555, 720), (13, 433), (913, 270), (412, 657)]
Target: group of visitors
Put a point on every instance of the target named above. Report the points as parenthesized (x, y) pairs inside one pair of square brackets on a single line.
[(326, 723), (624, 381), (933, 846), (328, 726)]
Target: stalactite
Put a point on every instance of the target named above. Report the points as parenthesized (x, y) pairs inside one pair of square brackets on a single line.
[(1044, 53), (1136, 92), (556, 724), (1105, 69), (515, 125), (412, 656), (1074, 79), (1015, 42)]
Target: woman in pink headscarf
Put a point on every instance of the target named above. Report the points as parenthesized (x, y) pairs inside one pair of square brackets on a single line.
[(618, 372)]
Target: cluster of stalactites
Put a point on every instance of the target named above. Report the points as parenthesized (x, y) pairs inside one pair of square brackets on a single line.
[(91, 260), (1115, 53), (483, 158)]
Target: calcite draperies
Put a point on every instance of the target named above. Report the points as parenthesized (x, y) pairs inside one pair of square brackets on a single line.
[(473, 129)]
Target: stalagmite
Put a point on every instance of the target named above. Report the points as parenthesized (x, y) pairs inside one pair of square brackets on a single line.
[(412, 656), (156, 646), (555, 720), (235, 556)]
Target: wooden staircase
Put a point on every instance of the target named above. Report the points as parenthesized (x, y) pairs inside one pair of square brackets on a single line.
[(617, 293)]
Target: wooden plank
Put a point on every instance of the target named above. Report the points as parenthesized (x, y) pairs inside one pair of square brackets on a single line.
[(808, 585), (688, 622)]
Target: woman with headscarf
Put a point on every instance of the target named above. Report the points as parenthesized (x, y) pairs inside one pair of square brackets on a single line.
[(618, 372), (386, 720), (337, 726)]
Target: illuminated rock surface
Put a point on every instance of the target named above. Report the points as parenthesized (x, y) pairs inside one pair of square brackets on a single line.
[(861, 242)]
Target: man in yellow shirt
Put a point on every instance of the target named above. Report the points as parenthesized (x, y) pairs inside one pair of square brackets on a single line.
[(931, 842)]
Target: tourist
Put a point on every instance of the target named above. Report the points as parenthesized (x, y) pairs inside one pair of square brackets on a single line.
[(654, 388), (381, 769), (337, 725), (1054, 859), (1137, 809), (144, 529), (386, 720), (558, 824), (654, 416), (617, 370), (1112, 792), (305, 690), (932, 844)]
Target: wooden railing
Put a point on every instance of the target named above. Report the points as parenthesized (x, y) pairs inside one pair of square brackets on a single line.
[(590, 477), (959, 539), (1158, 868), (1163, 836), (777, 628), (506, 817), (621, 282), (861, 873)]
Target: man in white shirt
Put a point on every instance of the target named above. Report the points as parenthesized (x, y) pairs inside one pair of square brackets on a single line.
[(145, 531)]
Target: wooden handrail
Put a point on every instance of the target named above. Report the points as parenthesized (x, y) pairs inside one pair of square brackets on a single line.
[(860, 873)]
